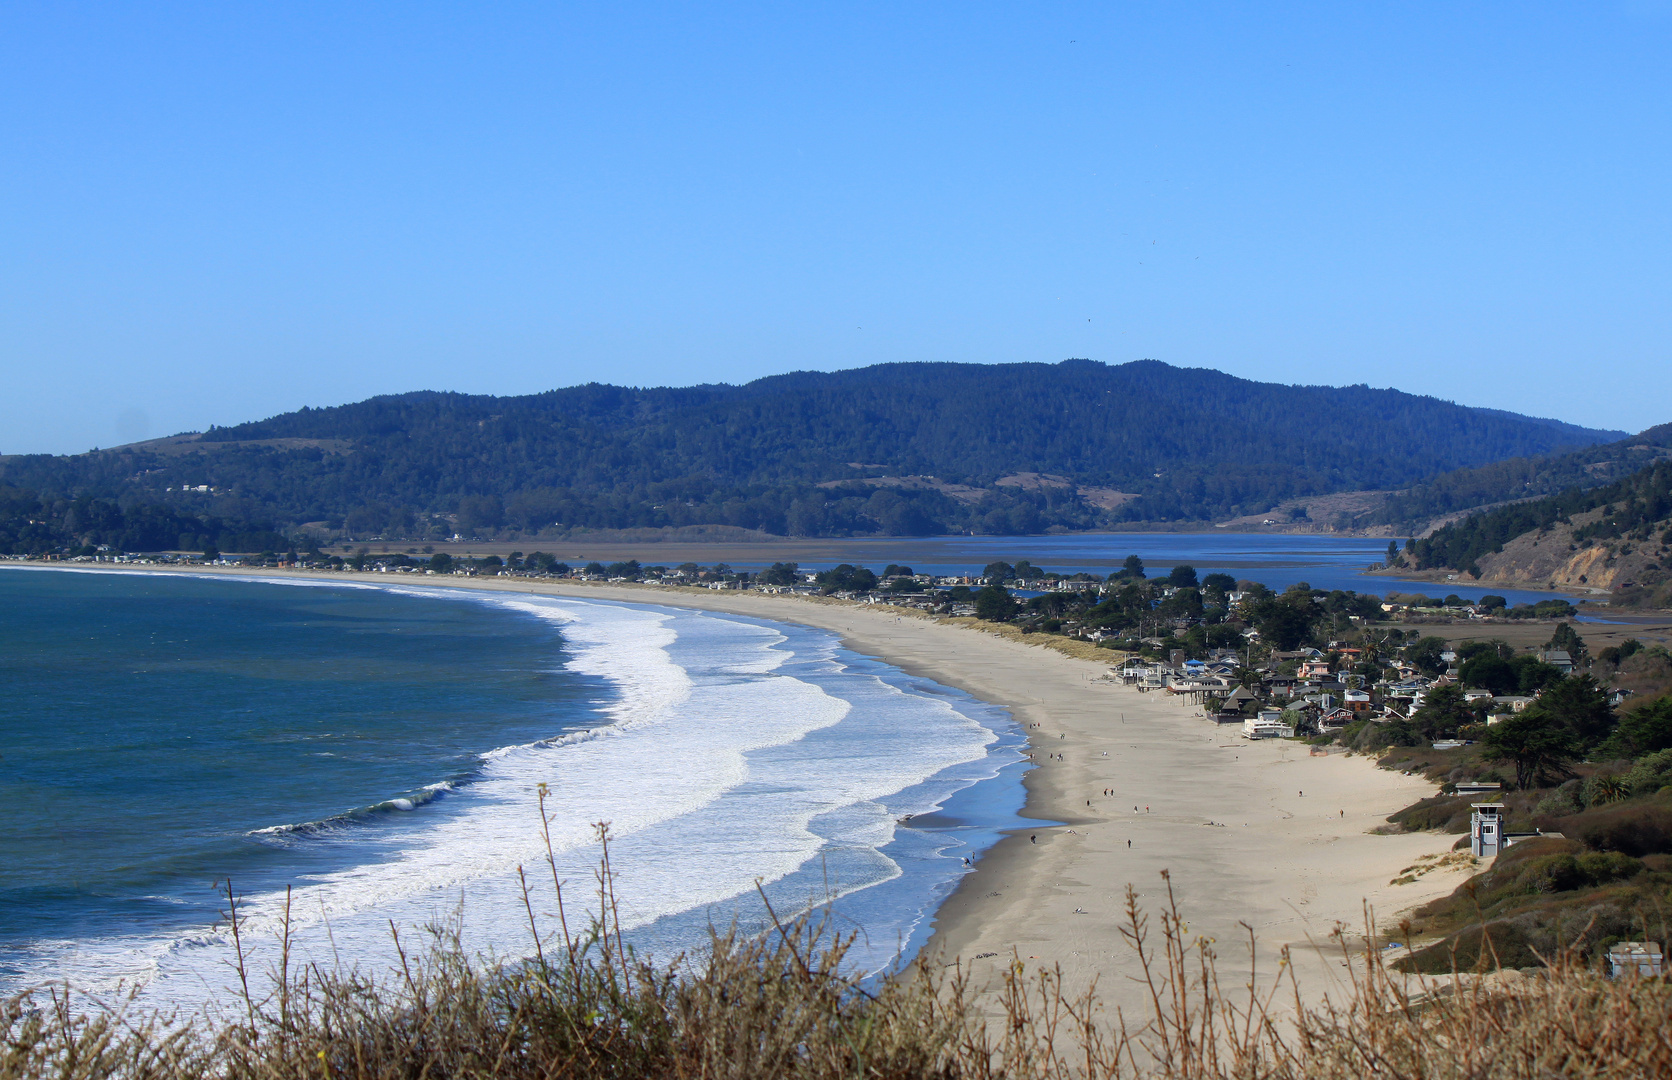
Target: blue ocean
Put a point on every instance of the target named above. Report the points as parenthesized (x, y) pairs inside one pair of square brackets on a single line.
[(376, 753)]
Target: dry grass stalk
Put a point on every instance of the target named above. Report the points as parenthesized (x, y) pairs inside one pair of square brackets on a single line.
[(781, 1004)]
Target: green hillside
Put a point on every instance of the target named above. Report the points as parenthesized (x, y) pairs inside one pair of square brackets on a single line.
[(898, 449)]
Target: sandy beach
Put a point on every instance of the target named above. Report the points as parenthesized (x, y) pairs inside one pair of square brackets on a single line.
[(1261, 834)]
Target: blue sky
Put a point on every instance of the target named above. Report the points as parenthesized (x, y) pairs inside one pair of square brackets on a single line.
[(213, 213)]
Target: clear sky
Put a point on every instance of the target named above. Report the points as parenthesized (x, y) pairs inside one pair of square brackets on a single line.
[(214, 213)]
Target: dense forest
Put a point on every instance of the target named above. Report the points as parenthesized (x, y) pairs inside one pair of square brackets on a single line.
[(1635, 508), (902, 449), (31, 524)]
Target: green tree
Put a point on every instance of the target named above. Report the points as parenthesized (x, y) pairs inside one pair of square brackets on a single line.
[(1539, 748), (1393, 552), (1489, 671), (1425, 655), (1533, 674), (1580, 704), (440, 562), (1645, 730), (998, 571), (1182, 577), (847, 578), (781, 573), (1224, 583), (1281, 625), (994, 604), (1133, 567), (1568, 639), (1444, 712)]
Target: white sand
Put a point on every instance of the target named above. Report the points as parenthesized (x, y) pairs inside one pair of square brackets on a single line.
[(1292, 867)]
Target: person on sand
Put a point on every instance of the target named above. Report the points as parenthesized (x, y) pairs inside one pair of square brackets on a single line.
[(1034, 839)]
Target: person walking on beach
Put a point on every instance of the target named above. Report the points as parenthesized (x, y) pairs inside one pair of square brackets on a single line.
[(1034, 839)]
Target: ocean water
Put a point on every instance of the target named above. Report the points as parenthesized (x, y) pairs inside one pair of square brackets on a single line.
[(379, 751)]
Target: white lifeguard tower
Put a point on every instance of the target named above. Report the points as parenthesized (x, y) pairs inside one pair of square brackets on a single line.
[(1486, 829)]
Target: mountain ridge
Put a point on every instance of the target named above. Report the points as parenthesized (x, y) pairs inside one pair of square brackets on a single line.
[(800, 453)]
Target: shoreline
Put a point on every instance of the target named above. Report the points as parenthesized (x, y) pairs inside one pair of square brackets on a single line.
[(1224, 815)]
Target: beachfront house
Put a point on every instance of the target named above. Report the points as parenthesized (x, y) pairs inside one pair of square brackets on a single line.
[(1268, 724), (1232, 709), (1333, 720)]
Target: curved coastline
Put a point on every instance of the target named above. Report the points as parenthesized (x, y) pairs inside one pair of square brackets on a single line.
[(1251, 833)]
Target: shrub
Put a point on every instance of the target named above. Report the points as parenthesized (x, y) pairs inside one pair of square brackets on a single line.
[(1635, 830), (1564, 872), (1651, 773)]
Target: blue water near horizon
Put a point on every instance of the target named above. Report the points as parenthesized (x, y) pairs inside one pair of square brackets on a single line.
[(379, 750)]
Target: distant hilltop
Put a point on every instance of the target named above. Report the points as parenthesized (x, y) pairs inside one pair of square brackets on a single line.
[(895, 449)]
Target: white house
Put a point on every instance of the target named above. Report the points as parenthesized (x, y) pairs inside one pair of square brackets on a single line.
[(1268, 725)]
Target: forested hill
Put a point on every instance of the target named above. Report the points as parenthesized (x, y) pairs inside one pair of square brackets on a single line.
[(901, 448)]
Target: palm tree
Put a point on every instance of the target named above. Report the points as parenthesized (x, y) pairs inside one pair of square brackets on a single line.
[(1607, 789)]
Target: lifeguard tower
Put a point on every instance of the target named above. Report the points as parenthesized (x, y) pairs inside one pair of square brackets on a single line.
[(1486, 829)]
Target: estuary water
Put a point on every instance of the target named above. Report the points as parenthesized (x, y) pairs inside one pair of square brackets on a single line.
[(1277, 560), (379, 752)]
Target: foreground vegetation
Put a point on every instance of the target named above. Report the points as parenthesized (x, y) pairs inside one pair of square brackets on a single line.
[(782, 1004)]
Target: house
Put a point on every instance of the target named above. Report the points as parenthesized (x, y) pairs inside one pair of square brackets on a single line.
[(1268, 725), (1334, 720), (1474, 697), (1512, 703), (1313, 669), (1357, 701), (1639, 957), (1231, 709), (1558, 658)]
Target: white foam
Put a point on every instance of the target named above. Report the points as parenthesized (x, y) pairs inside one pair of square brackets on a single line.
[(713, 777)]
